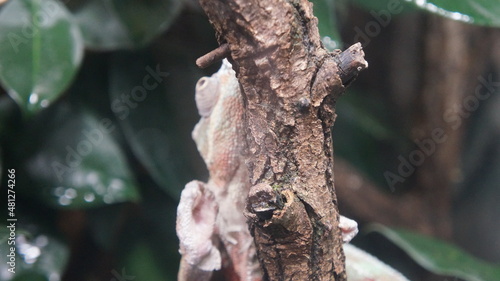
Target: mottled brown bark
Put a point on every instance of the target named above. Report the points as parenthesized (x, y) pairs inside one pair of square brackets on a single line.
[(290, 85)]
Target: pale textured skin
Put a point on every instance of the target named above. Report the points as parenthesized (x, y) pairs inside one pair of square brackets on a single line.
[(211, 227), (361, 266), (219, 138), (349, 228)]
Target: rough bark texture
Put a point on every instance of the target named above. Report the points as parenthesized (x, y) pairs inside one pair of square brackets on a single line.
[(290, 85)]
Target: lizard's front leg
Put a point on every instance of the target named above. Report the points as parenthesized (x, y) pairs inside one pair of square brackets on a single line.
[(196, 216), (349, 228)]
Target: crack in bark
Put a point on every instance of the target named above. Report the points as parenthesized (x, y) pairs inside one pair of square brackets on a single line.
[(303, 20)]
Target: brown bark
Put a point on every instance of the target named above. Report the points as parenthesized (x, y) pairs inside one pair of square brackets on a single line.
[(290, 85)]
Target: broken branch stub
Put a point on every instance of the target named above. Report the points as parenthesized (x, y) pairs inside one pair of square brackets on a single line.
[(290, 85)]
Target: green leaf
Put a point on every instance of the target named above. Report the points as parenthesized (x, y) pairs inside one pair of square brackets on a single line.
[(363, 128), (140, 263), (9, 116), (393, 7), (138, 88), (151, 255), (124, 24), (327, 23), (40, 51), (480, 12), (439, 256), (72, 159), (38, 256), (5, 106)]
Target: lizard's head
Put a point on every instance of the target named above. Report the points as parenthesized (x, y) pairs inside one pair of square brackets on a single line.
[(207, 94)]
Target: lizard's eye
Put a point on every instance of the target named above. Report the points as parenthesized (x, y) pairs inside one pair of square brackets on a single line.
[(207, 94), (202, 83)]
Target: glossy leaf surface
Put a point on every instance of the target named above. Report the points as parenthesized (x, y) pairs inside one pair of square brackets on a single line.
[(37, 256), (124, 24), (76, 162), (481, 12), (138, 90), (327, 23), (40, 51), (439, 256)]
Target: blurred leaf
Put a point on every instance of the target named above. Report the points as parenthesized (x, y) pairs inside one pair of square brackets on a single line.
[(5, 109), (481, 12), (141, 263), (144, 19), (10, 116), (152, 254), (362, 129), (31, 276), (40, 51), (105, 222), (439, 256), (365, 116), (477, 193), (72, 159), (139, 100), (3, 120), (327, 23), (120, 24), (383, 5), (38, 256), (101, 27)]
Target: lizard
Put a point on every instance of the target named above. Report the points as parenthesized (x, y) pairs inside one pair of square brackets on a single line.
[(211, 224)]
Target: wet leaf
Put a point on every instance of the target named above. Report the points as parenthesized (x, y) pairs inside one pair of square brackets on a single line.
[(382, 6), (75, 162), (40, 51), (139, 88), (151, 255), (327, 23), (124, 24), (363, 128), (439, 256), (38, 256), (140, 263), (480, 12)]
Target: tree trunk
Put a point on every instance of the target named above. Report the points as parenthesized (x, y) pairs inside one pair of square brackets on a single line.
[(290, 85)]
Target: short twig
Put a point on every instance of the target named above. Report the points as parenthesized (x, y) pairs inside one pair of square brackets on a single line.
[(213, 56)]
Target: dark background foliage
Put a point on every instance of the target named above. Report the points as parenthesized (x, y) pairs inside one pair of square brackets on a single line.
[(97, 106)]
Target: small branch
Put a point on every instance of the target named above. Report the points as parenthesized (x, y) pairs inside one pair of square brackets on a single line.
[(350, 63), (213, 56)]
